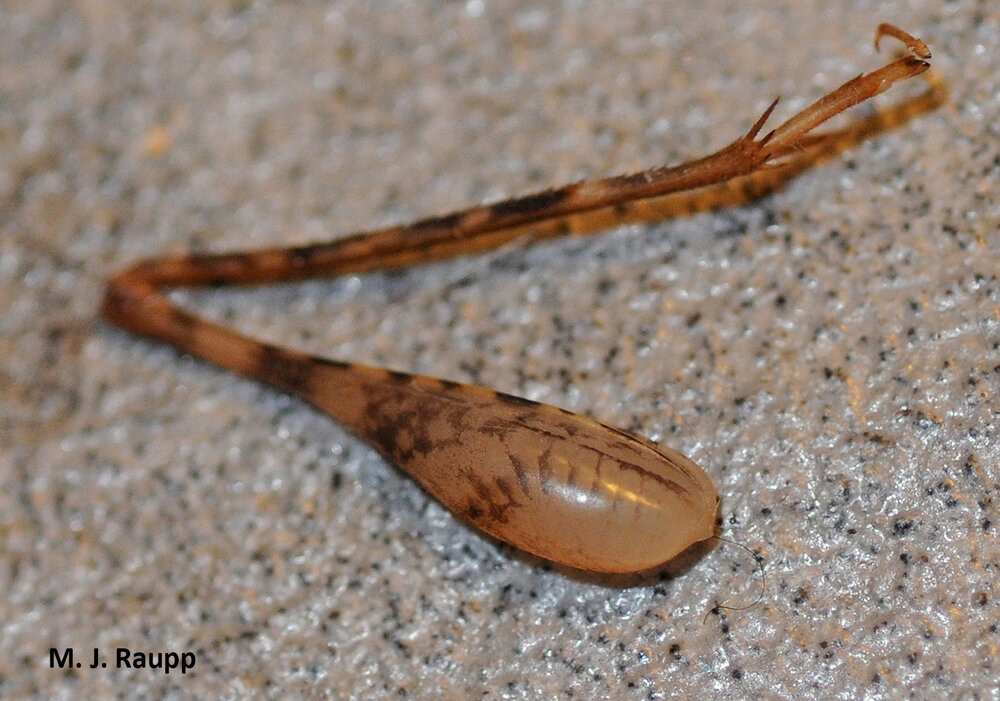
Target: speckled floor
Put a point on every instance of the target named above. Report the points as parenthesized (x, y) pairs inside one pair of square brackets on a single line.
[(829, 353)]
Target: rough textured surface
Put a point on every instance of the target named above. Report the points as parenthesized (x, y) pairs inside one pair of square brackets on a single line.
[(828, 353)]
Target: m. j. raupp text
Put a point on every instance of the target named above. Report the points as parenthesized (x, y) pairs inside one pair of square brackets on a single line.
[(124, 658)]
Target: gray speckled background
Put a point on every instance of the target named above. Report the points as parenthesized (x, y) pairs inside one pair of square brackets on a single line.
[(828, 353)]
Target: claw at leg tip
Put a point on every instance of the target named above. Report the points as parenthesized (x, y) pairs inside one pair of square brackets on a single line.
[(916, 46)]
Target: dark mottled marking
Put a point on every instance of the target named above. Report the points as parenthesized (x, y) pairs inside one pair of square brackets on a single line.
[(499, 510), (495, 509), (450, 384), (445, 222), (521, 473), (483, 493), (182, 321), (244, 261), (422, 443), (504, 487), (472, 512), (531, 204), (630, 438), (596, 484), (283, 369), (566, 430), (401, 430), (514, 399), (315, 250), (496, 427), (386, 436), (545, 471), (299, 256), (330, 362), (669, 485), (397, 376)]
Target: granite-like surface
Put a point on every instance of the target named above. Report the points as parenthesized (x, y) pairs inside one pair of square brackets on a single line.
[(829, 353)]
